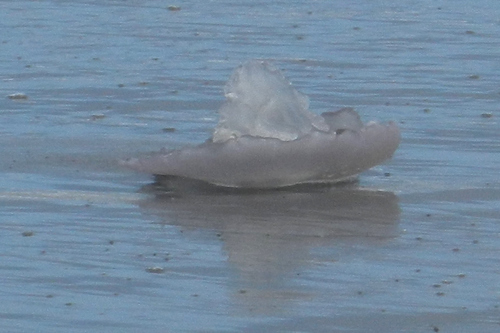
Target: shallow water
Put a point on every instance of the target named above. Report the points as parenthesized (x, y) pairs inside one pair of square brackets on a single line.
[(86, 245)]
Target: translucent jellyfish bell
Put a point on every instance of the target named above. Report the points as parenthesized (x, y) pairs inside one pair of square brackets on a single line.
[(267, 138), (262, 103)]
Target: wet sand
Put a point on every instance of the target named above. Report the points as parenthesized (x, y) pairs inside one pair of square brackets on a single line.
[(89, 246)]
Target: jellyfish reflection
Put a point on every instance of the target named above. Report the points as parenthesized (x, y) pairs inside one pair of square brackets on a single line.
[(269, 236)]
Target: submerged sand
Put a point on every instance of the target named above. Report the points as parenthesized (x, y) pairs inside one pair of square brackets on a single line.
[(88, 246)]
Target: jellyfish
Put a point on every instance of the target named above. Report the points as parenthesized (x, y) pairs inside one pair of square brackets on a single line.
[(266, 137)]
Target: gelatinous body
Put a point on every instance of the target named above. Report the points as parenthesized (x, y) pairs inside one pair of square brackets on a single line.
[(261, 102), (267, 138)]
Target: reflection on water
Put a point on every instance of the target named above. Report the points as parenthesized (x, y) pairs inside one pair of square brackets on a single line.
[(268, 235)]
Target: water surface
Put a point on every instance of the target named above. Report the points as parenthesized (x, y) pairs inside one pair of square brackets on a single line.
[(89, 246)]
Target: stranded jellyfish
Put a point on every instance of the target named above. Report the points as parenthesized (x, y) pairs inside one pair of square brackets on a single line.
[(267, 138)]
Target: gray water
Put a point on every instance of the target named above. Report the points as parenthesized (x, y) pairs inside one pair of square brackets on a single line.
[(87, 246)]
